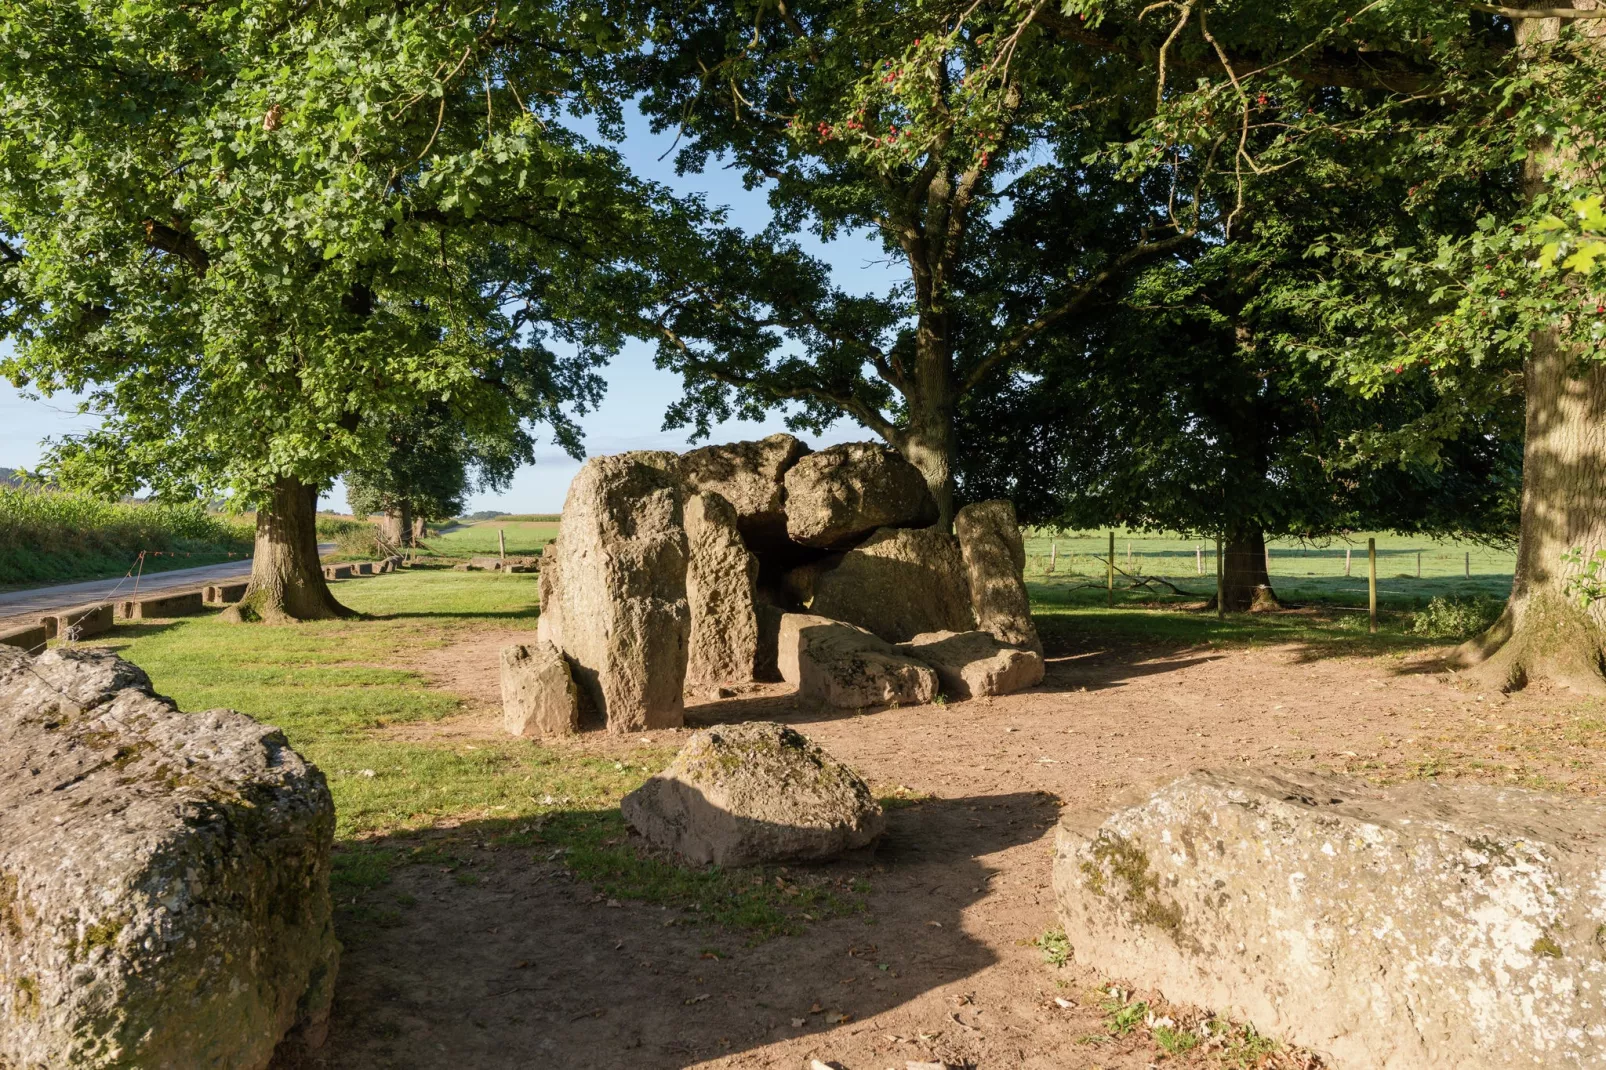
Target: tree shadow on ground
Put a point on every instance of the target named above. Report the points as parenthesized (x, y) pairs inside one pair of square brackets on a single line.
[(500, 957)]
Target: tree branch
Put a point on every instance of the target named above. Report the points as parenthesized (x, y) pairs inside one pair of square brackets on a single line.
[(1125, 262), (1541, 12), (178, 243)]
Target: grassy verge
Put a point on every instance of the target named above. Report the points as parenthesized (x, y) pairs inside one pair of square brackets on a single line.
[(49, 536), (524, 536), (336, 690)]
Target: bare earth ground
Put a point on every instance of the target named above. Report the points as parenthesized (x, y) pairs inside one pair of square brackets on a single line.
[(528, 968)]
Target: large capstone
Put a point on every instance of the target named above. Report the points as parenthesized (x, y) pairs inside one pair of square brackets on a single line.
[(721, 587), (751, 476), (899, 583), (164, 876), (613, 597), (976, 664), (739, 795), (841, 665), (837, 496), (1421, 925), (995, 572)]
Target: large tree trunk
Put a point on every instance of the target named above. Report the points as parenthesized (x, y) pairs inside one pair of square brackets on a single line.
[(396, 526), (928, 441), (1544, 633), (286, 577), (929, 446), (1245, 583)]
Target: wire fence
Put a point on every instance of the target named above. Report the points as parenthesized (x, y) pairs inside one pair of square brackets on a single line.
[(1408, 570)]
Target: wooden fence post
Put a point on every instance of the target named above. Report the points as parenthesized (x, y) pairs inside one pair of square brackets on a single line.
[(1346, 561), (1053, 555), (1221, 584), (501, 543), (1469, 564), (1198, 560), (1109, 599), (1371, 583)]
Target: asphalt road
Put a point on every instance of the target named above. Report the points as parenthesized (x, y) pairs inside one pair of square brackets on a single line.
[(38, 601)]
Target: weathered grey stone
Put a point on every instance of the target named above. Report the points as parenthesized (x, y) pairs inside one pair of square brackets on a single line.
[(485, 564), (161, 606), (976, 664), (1422, 925), (613, 597), (337, 572), (538, 693), (995, 569), (164, 877), (899, 583), (739, 795), (749, 475), (845, 666), (721, 584), (840, 494)]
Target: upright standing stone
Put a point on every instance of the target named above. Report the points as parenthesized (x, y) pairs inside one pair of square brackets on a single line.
[(838, 495), (751, 477), (1420, 926), (898, 583), (615, 603), (721, 582), (995, 567), (164, 876), (538, 693)]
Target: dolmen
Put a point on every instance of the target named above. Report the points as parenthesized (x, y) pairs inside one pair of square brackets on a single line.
[(757, 561), (164, 876), (1415, 926)]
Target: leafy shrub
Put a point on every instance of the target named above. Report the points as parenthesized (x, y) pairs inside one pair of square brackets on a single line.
[(53, 535), (1456, 618)]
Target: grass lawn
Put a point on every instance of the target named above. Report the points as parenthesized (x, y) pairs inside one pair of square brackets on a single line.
[(523, 537), (334, 687), (1299, 572)]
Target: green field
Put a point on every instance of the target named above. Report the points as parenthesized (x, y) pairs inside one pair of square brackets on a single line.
[(1299, 572), (467, 540)]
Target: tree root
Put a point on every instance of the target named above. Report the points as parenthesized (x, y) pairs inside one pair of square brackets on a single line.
[(1533, 643)]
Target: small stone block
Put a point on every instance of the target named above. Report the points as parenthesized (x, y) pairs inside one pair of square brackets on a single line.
[(363, 568), (225, 592), (81, 623), (28, 637), (539, 697), (337, 572), (173, 605), (49, 625)]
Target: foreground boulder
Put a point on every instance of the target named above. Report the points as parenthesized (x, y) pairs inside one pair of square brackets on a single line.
[(613, 589), (898, 583), (976, 664), (164, 877), (837, 496), (844, 666), (751, 476), (739, 795), (721, 590), (995, 570), (1419, 925), (538, 693)]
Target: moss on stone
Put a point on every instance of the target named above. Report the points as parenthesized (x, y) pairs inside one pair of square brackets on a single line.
[(1547, 947), (1125, 861)]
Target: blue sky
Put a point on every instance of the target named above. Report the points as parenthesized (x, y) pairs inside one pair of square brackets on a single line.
[(630, 417)]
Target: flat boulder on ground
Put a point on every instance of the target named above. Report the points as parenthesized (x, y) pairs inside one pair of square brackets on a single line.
[(976, 664), (164, 876), (899, 583), (1421, 925), (538, 693), (744, 794), (838, 495), (751, 476), (848, 667), (613, 589), (995, 571)]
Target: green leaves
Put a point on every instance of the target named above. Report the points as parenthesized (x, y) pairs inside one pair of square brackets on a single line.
[(259, 235)]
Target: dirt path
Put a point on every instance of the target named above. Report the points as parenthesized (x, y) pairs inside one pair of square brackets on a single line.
[(525, 967)]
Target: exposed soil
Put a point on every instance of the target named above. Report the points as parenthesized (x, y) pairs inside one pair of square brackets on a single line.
[(528, 968)]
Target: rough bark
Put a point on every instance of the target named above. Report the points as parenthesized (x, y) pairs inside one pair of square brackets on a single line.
[(929, 446), (396, 526), (1245, 583), (286, 577), (1546, 633)]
